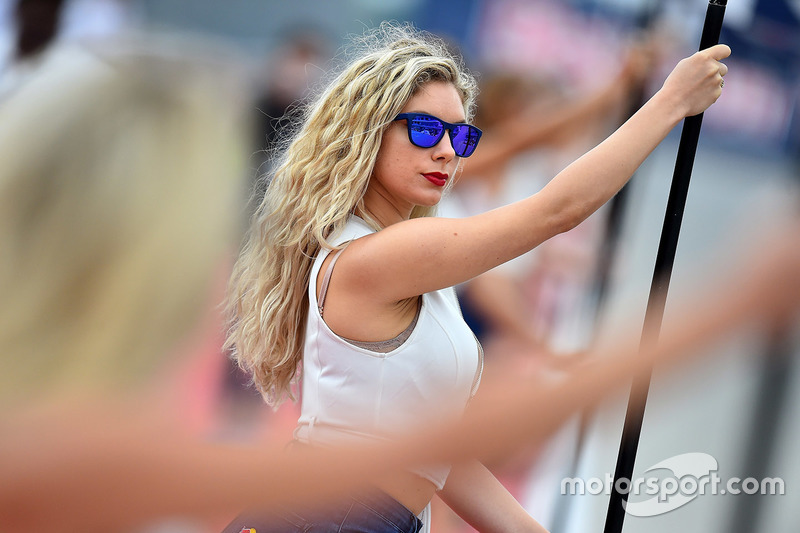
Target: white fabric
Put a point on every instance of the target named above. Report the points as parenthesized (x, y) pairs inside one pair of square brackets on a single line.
[(351, 394), (425, 518)]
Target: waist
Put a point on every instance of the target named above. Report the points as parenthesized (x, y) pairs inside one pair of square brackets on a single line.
[(411, 490), (321, 434)]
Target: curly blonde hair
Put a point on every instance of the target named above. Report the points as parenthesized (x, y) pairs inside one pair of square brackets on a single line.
[(318, 181)]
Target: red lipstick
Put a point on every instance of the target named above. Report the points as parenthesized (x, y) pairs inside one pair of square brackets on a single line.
[(437, 178)]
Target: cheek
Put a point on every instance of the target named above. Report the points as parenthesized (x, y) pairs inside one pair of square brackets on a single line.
[(394, 147), (392, 157), (384, 171), (383, 164)]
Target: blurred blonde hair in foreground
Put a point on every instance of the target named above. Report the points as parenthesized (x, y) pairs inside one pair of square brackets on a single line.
[(121, 174)]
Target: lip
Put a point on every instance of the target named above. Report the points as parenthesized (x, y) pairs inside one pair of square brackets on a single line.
[(437, 178)]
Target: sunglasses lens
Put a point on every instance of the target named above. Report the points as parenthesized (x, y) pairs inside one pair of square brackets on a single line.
[(465, 140), (425, 131)]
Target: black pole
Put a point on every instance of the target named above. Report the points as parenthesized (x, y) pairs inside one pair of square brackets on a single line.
[(665, 259)]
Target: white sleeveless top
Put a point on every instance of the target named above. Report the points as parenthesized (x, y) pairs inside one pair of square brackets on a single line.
[(352, 394)]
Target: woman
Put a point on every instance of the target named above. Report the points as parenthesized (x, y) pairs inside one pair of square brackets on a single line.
[(345, 270)]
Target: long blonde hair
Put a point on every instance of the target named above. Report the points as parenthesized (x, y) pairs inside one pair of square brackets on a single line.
[(318, 182), (119, 188)]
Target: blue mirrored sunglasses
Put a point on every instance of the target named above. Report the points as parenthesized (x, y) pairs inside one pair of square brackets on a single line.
[(426, 131)]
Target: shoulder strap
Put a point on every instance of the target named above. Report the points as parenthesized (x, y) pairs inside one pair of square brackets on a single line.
[(323, 291)]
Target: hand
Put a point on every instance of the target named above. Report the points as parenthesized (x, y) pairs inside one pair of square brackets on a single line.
[(696, 82)]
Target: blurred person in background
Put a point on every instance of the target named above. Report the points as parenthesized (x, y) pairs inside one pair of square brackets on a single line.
[(521, 309), (37, 24), (382, 342), (531, 131), (290, 72)]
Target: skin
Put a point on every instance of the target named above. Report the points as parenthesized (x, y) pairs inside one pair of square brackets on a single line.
[(380, 277)]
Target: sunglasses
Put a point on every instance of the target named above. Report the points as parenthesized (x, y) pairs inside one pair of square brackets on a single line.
[(426, 131)]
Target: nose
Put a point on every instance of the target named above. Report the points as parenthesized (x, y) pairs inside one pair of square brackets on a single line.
[(443, 150)]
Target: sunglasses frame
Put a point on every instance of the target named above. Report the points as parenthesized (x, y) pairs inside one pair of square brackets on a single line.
[(446, 126)]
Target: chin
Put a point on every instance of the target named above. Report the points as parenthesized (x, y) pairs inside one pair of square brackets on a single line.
[(424, 205), (430, 200)]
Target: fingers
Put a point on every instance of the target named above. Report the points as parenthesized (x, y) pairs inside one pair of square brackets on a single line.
[(722, 70), (718, 77), (718, 51)]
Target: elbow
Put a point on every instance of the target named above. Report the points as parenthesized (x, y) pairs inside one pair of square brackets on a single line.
[(569, 216)]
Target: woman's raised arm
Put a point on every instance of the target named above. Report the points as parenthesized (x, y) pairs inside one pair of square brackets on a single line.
[(426, 254)]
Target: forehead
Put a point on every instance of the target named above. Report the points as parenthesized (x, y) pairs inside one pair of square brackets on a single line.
[(438, 98)]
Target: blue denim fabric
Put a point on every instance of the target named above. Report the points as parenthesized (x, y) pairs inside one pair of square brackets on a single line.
[(374, 512)]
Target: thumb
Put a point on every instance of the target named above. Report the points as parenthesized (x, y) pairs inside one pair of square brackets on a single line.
[(719, 51)]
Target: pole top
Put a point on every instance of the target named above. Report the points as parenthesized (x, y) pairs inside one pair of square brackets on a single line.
[(722, 3)]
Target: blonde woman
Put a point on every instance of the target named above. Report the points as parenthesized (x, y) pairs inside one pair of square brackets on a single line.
[(346, 271)]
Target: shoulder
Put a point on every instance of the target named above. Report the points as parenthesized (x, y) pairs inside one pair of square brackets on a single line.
[(354, 228)]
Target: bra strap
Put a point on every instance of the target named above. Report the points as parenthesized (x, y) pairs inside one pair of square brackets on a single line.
[(323, 291)]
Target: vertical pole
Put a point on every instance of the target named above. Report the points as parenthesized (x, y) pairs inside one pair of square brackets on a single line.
[(665, 259)]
